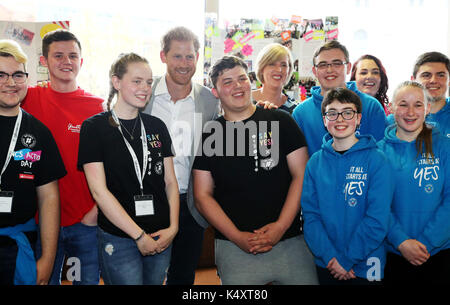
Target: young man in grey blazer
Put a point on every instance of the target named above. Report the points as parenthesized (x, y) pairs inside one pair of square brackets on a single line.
[(185, 107)]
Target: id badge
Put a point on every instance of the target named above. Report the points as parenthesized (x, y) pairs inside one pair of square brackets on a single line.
[(6, 199), (144, 205)]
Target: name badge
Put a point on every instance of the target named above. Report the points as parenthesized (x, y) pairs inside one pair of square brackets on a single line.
[(144, 205), (6, 199)]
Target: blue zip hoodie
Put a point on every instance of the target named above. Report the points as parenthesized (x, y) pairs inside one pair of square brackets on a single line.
[(421, 205), (346, 203), (440, 119), (308, 116)]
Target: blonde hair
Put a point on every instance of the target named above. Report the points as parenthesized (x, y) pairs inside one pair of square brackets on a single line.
[(12, 48), (269, 55), (119, 68), (424, 140)]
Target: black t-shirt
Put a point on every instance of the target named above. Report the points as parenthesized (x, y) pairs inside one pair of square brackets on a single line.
[(100, 141), (251, 190), (36, 162)]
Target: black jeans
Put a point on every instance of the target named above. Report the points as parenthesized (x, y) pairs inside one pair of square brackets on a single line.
[(325, 278), (186, 248), (436, 270)]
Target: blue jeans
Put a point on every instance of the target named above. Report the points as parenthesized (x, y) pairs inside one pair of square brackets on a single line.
[(122, 263), (187, 248), (76, 241)]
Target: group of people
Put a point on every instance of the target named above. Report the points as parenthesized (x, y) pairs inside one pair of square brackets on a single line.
[(326, 191)]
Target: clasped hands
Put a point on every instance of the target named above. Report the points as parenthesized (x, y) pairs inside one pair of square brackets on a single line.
[(155, 243), (338, 272), (260, 240), (414, 252)]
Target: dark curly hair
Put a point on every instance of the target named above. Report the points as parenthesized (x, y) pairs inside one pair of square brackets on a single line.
[(381, 95)]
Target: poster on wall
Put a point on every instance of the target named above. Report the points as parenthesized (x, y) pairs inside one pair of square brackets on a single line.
[(245, 38), (29, 35)]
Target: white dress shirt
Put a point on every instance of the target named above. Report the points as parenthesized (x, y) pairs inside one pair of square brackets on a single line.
[(179, 118)]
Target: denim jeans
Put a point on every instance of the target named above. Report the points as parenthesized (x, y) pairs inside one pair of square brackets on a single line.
[(80, 242), (122, 263)]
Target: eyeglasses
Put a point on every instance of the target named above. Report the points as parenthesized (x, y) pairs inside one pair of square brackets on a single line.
[(334, 64), (18, 77), (346, 115)]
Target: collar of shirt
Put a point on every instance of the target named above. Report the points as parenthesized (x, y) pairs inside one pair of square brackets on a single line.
[(161, 88)]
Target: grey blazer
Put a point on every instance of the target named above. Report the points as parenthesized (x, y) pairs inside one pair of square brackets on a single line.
[(206, 108)]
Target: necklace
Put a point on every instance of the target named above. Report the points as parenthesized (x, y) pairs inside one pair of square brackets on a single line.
[(134, 127)]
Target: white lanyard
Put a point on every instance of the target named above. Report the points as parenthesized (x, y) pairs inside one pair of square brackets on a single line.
[(139, 174), (13, 142)]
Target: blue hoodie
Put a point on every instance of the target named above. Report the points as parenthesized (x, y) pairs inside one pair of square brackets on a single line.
[(440, 119), (421, 205), (308, 116), (346, 203)]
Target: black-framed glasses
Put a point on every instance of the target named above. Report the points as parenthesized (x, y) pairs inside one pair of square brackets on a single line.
[(335, 64), (346, 115), (18, 77)]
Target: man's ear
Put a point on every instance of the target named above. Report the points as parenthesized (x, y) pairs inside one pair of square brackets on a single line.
[(314, 71), (349, 67), (215, 93), (43, 61), (162, 55)]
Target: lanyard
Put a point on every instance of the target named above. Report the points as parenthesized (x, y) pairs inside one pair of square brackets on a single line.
[(139, 174), (13, 142)]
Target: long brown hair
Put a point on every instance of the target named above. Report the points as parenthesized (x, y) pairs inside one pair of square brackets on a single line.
[(424, 140), (118, 69), (381, 94)]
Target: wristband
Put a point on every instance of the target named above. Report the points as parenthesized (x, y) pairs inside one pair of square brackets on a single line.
[(140, 236)]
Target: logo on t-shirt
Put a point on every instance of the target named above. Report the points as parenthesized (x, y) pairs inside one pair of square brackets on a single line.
[(355, 184), (27, 157), (28, 140), (74, 128), (159, 167)]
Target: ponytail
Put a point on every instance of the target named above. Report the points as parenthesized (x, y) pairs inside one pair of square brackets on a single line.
[(112, 93), (425, 137)]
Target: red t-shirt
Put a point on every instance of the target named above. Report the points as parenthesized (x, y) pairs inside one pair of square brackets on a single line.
[(63, 114)]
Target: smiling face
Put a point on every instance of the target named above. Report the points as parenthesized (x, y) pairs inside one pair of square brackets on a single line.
[(331, 77), (11, 93), (181, 61), (340, 128), (368, 77), (276, 73), (135, 87), (409, 108), (434, 76), (233, 88), (64, 61)]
